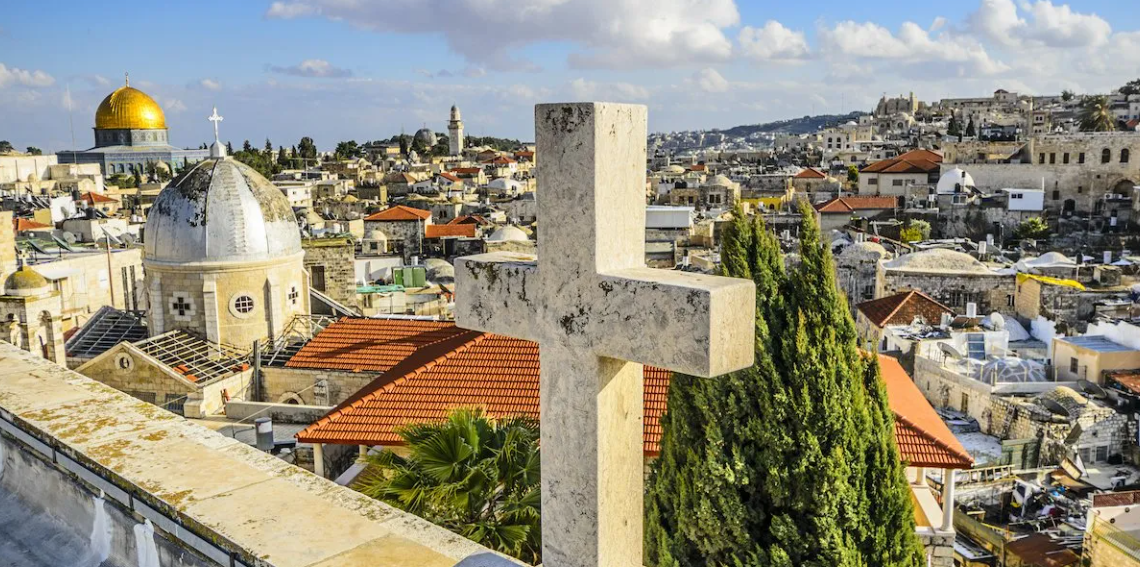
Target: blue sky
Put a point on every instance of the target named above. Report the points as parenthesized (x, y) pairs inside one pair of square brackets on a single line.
[(335, 69)]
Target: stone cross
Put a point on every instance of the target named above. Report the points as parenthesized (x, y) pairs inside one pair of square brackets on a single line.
[(598, 314), (215, 118)]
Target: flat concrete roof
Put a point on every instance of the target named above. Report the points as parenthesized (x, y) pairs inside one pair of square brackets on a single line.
[(253, 504), (1097, 344)]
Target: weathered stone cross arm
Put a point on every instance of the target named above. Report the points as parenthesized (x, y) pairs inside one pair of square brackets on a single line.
[(684, 322)]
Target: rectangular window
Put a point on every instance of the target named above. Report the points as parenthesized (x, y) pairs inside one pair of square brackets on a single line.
[(1074, 365), (1041, 158), (1081, 158), (872, 181), (1052, 158), (1065, 158), (897, 182), (965, 403), (1102, 454)]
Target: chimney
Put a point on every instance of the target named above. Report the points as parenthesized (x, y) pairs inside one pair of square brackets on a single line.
[(944, 321), (1108, 257), (264, 433), (971, 310)]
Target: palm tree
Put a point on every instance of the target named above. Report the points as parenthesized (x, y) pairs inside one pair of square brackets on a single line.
[(1096, 114), (471, 474)]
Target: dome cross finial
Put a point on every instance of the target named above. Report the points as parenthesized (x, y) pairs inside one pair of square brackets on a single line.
[(217, 150)]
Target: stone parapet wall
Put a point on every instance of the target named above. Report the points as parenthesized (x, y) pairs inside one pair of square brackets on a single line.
[(212, 497)]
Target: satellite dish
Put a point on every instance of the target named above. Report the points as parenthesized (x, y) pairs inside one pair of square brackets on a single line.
[(1090, 388), (998, 321), (68, 237), (950, 350)]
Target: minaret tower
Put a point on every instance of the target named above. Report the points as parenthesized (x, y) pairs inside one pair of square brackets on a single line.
[(455, 132)]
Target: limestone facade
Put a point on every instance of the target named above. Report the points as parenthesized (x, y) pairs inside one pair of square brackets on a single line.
[(330, 264), (230, 303)]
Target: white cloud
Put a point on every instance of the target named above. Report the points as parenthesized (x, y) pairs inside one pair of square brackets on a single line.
[(493, 33), (210, 84), (174, 105), (773, 42), (710, 80), (1041, 23), (586, 90), (28, 78), (911, 45), (312, 68)]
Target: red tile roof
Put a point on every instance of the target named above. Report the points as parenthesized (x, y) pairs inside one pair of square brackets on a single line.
[(472, 369), (900, 309), (93, 198), (448, 367), (810, 173), (923, 438), (449, 177), (360, 344), (468, 170), (399, 213), (851, 204), (449, 230), (502, 161), (697, 168), (917, 161), (25, 224), (469, 219)]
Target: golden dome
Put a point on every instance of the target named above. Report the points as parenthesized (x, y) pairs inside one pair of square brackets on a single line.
[(129, 108)]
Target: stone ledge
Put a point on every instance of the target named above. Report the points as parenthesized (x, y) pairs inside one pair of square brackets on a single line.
[(253, 506)]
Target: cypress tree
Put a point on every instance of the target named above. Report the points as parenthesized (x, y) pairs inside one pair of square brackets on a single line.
[(791, 461)]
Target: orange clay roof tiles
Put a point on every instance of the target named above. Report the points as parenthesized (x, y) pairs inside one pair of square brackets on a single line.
[(449, 230), (923, 438), (500, 374), (354, 344), (399, 213)]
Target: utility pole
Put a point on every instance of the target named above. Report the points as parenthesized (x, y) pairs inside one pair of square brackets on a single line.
[(110, 272)]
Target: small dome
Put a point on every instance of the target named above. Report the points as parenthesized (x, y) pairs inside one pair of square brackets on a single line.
[(426, 136), (720, 181), (938, 260), (955, 180), (865, 250), (129, 108), (1063, 401), (455, 113), (673, 170), (220, 210), (509, 233), (26, 282), (439, 271)]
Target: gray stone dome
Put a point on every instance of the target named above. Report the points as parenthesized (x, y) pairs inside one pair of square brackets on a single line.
[(426, 136), (26, 282), (220, 210)]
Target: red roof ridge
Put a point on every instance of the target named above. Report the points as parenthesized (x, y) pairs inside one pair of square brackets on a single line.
[(966, 460), (399, 374)]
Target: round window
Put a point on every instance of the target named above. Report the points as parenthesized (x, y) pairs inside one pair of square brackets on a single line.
[(243, 304)]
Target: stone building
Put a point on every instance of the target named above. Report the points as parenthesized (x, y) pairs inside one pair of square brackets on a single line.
[(1081, 172), (130, 133), (902, 309), (223, 255), (955, 279), (29, 315), (899, 175), (404, 228), (856, 270), (330, 263)]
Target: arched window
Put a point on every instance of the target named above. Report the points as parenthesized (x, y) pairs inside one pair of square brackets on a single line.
[(1125, 155), (1105, 156)]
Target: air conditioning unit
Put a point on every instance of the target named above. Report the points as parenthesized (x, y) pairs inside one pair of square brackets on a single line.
[(971, 310)]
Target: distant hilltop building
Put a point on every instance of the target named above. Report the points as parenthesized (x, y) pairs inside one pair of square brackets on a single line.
[(901, 104), (455, 132), (130, 132)]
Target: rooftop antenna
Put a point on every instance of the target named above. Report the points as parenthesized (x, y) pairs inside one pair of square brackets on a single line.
[(71, 125)]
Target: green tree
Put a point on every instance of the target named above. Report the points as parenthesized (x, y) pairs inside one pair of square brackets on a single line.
[(784, 462), (954, 128), (1096, 114), (268, 149), (306, 148), (1067, 95), (347, 150), (282, 158), (852, 174), (35, 151), (470, 474), (229, 149), (6, 147), (1035, 228), (246, 147), (1130, 88), (971, 129), (915, 231)]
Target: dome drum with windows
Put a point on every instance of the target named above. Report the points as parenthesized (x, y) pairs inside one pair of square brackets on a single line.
[(222, 254)]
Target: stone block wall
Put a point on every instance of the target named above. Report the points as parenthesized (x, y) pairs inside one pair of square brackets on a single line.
[(939, 547), (281, 383), (337, 257)]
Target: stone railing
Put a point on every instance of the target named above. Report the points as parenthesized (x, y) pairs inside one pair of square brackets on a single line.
[(104, 464)]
